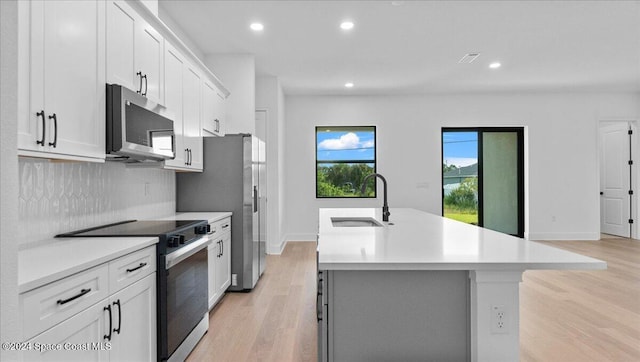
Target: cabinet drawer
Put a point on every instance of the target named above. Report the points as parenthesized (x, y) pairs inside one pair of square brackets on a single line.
[(131, 268), (53, 303), (220, 227)]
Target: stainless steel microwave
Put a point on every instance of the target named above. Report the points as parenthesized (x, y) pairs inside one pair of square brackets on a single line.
[(137, 128)]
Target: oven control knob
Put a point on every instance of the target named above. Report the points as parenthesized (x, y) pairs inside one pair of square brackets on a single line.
[(203, 229), (181, 238), (174, 241)]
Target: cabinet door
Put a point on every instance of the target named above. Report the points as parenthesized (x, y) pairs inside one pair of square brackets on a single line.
[(121, 45), (173, 87), (134, 322), (85, 332), (67, 71), (134, 51), (221, 111), (209, 104), (212, 255), (223, 268), (148, 56), (192, 113)]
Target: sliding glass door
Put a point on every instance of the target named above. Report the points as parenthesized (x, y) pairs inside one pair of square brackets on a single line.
[(483, 174)]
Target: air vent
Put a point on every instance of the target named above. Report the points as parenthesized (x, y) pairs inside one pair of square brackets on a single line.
[(468, 58)]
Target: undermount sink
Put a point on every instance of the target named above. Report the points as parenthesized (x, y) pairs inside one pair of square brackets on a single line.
[(355, 222)]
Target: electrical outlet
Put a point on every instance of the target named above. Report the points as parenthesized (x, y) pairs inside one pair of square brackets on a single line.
[(234, 280), (499, 319)]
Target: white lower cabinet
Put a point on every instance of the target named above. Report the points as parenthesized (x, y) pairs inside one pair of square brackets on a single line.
[(119, 327), (80, 339), (223, 265), (134, 322), (219, 252)]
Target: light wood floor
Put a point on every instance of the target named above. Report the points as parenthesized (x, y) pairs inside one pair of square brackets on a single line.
[(565, 315)]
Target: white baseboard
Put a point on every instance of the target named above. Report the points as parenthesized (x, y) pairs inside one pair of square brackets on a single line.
[(277, 249), (564, 236)]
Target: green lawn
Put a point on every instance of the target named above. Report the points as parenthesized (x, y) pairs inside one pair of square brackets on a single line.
[(466, 216)]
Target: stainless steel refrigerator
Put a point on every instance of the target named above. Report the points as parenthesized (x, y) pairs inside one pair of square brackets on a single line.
[(232, 180)]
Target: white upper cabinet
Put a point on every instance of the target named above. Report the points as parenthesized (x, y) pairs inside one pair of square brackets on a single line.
[(173, 69), (213, 109), (192, 115), (134, 52), (69, 50), (182, 98), (62, 91)]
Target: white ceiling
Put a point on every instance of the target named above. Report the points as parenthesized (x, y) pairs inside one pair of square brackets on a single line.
[(415, 47)]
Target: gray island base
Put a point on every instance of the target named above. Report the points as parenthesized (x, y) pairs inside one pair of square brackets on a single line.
[(423, 288)]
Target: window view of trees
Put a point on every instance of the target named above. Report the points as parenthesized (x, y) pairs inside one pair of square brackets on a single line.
[(344, 156), (460, 176)]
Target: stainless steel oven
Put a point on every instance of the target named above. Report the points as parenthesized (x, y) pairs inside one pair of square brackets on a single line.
[(185, 298)]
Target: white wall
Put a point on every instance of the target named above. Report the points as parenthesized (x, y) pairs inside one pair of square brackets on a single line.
[(562, 151), (8, 178), (237, 73), (269, 97)]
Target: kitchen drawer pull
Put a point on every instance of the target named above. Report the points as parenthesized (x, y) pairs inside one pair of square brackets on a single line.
[(41, 114), (108, 337), (139, 74), (117, 302), (142, 265), (82, 292), (225, 226), (55, 130)]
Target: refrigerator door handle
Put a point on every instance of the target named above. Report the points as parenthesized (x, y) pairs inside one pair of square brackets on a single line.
[(255, 198)]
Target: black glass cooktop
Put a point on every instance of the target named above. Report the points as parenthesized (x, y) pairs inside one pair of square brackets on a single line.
[(134, 228)]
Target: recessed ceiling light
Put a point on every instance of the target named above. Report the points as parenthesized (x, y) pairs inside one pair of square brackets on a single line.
[(349, 85), (495, 65), (257, 27), (346, 25), (397, 3)]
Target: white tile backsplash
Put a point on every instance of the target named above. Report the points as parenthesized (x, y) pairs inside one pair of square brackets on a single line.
[(58, 197)]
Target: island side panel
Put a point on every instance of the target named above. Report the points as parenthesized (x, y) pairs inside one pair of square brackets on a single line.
[(399, 315), (495, 315)]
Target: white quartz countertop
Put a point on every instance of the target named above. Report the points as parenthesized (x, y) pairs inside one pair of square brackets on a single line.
[(416, 240), (209, 216), (66, 256)]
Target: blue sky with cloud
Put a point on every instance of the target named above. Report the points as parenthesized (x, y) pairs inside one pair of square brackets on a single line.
[(460, 148), (345, 145)]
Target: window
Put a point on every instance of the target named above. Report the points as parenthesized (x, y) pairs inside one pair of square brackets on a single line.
[(344, 157)]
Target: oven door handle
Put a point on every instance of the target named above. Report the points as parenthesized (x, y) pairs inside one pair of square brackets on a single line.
[(186, 251)]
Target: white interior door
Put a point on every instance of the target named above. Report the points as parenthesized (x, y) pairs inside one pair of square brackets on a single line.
[(615, 179)]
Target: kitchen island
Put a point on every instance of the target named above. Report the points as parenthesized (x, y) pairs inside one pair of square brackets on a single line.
[(422, 287)]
